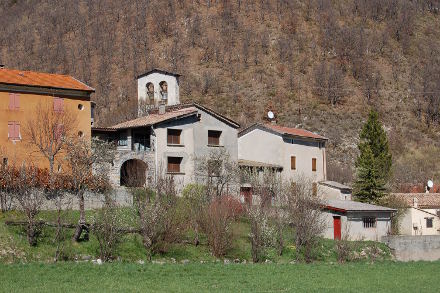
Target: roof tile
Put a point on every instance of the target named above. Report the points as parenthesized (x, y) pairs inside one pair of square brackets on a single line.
[(293, 131), (32, 78)]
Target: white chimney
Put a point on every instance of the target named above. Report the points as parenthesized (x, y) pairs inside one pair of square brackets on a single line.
[(161, 109)]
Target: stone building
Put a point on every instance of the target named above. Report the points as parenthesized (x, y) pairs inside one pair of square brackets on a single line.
[(168, 136)]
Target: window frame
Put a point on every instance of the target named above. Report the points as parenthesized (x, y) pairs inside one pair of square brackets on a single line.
[(429, 220), (14, 101), (15, 135), (171, 138), (214, 140), (176, 167), (292, 162), (369, 222), (58, 104)]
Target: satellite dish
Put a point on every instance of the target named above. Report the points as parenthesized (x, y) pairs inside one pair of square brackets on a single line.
[(430, 183), (270, 115)]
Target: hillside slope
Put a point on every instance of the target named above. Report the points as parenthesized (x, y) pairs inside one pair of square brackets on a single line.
[(318, 64)]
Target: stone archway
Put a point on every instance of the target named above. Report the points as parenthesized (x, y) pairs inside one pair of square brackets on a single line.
[(133, 173)]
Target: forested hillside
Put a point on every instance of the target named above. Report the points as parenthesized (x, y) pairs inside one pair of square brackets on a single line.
[(319, 64)]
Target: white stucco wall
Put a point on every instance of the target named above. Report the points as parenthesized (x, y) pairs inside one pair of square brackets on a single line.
[(328, 192), (155, 78), (417, 217), (351, 223), (194, 143), (263, 146)]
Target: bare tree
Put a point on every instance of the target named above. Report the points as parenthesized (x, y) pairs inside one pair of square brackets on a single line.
[(48, 130), (217, 172), (304, 211), (89, 165)]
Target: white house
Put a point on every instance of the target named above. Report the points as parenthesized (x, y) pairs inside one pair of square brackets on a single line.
[(355, 220), (422, 216), (294, 152)]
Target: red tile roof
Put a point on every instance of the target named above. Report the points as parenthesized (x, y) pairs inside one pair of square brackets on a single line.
[(152, 119), (40, 79), (424, 200), (293, 131)]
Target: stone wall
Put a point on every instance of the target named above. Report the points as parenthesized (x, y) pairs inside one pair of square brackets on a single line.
[(413, 248)]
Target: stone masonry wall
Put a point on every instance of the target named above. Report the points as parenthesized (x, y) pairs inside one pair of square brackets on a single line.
[(413, 248)]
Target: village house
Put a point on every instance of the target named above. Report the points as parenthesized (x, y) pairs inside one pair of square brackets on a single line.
[(21, 92), (168, 137), (353, 220), (422, 215)]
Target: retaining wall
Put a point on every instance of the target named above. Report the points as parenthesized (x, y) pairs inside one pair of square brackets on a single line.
[(408, 248)]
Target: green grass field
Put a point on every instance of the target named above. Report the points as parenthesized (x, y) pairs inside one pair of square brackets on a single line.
[(196, 277)]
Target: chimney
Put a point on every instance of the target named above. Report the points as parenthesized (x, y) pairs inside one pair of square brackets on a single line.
[(415, 202), (161, 109)]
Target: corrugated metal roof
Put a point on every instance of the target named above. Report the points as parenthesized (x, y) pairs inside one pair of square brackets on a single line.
[(349, 205), (335, 184), (249, 163), (424, 200), (40, 79), (152, 119)]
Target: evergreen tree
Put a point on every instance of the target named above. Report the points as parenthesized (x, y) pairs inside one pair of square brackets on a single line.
[(373, 166)]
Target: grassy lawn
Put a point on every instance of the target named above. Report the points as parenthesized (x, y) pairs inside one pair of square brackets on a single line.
[(194, 277)]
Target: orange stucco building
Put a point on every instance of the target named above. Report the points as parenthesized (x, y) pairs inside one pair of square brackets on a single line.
[(21, 92)]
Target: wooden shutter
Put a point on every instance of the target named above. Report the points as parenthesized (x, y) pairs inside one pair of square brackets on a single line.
[(314, 164), (17, 101), (10, 129), (292, 163), (17, 130), (214, 137), (173, 136), (174, 164), (58, 104), (11, 102)]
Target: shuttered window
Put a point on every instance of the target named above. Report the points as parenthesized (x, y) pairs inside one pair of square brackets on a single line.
[(292, 163), (173, 136), (314, 164), (14, 101), (174, 164), (58, 104), (13, 130), (214, 137)]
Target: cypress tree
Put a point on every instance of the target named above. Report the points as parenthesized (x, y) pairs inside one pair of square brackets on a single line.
[(373, 166)]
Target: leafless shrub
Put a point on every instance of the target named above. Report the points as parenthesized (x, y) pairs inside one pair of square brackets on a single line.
[(217, 225), (262, 233), (217, 172), (196, 203), (106, 227), (329, 83), (392, 201), (159, 221), (304, 211)]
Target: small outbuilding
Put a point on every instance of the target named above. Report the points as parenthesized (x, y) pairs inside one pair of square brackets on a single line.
[(356, 220)]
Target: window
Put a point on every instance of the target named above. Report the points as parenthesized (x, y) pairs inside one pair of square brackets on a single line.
[(214, 137), (80, 133), (122, 140), (14, 130), (5, 162), (429, 222), (80, 107), (14, 101), (173, 136), (314, 164), (369, 222), (58, 104), (163, 90), (292, 163), (174, 164)]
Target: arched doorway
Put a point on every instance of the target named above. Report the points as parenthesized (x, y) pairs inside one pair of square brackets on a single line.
[(133, 173)]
